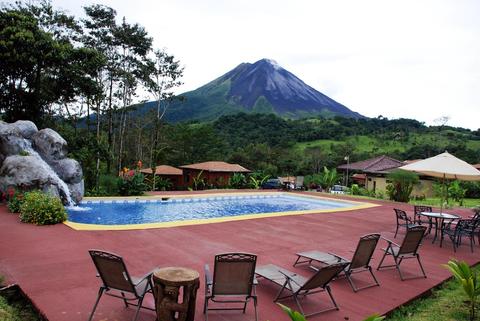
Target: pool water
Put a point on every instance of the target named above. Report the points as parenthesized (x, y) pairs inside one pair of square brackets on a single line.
[(123, 212)]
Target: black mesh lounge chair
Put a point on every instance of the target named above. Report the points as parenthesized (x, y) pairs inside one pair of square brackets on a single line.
[(360, 261), (298, 286), (233, 281), (117, 282), (402, 220), (461, 228), (408, 250), (419, 219)]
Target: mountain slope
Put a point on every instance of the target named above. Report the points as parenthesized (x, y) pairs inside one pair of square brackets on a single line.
[(263, 86)]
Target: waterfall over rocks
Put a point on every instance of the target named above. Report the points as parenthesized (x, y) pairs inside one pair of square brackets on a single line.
[(36, 159)]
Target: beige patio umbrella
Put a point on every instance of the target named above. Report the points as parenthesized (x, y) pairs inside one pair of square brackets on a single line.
[(445, 166)]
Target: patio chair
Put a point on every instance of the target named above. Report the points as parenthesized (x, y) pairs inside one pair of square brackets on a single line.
[(402, 220), (299, 286), (118, 283), (360, 261), (408, 250), (421, 220), (233, 282), (461, 228)]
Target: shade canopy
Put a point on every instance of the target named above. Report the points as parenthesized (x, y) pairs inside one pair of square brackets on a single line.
[(445, 166)]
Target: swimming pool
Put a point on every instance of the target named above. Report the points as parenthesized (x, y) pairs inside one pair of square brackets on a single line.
[(142, 213)]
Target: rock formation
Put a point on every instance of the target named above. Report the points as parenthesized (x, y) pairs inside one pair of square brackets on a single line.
[(36, 159)]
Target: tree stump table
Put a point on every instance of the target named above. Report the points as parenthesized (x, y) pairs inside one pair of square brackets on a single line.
[(168, 283)]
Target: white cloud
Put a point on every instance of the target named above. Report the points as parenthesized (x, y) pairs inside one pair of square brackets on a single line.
[(413, 59)]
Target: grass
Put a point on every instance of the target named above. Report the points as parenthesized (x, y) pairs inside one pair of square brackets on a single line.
[(435, 201), (446, 303), (14, 307), (381, 145)]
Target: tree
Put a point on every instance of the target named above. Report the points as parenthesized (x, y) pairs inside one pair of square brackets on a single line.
[(401, 186), (41, 70)]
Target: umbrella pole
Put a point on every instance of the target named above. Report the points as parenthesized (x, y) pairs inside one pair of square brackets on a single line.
[(443, 194)]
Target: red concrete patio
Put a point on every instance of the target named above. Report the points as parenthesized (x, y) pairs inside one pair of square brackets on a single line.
[(53, 267)]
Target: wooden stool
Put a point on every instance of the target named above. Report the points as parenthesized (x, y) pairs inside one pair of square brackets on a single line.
[(167, 283)]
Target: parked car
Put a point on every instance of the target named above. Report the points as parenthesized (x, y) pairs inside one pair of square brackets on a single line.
[(338, 189), (272, 183)]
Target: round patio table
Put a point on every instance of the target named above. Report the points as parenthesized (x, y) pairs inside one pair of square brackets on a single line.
[(439, 219)]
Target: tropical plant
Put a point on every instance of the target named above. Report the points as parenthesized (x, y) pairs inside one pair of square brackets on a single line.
[(329, 177), (132, 185), (237, 180), (162, 184), (401, 186), (199, 182), (256, 180), (469, 280), (297, 316), (42, 209)]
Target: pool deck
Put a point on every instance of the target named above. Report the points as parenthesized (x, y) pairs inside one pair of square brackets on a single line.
[(52, 265)]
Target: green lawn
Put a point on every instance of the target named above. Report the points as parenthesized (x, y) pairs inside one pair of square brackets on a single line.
[(435, 201), (446, 303)]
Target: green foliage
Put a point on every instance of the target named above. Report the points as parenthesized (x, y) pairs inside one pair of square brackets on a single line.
[(42, 209), (469, 280), (132, 185), (328, 178), (199, 182), (456, 192), (313, 181), (237, 180), (256, 180), (17, 309), (15, 201), (401, 186), (294, 315), (162, 184), (297, 316), (24, 153)]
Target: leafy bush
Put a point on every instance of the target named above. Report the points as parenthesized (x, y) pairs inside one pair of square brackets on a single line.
[(41, 209), (237, 180), (15, 200), (162, 184), (456, 192), (355, 189), (313, 181), (401, 186), (132, 185), (472, 189)]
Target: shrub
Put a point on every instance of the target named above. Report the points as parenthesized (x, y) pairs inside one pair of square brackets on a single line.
[(132, 185), (41, 209), (401, 186), (15, 200), (237, 180), (456, 192)]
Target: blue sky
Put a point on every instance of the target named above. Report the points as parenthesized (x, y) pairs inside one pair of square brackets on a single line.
[(413, 59)]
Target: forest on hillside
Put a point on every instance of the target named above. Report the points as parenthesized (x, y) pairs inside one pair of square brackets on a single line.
[(78, 76)]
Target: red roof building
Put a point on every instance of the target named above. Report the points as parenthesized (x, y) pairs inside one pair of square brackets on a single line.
[(214, 173), (371, 174), (166, 172)]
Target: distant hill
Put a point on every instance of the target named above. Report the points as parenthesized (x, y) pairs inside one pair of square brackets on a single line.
[(261, 87)]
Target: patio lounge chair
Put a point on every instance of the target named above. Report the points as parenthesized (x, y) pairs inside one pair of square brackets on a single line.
[(233, 281), (461, 228), (419, 219), (299, 286), (115, 277), (360, 261), (408, 250), (402, 220)]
